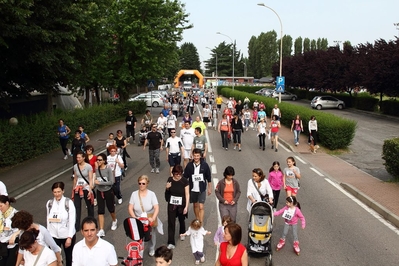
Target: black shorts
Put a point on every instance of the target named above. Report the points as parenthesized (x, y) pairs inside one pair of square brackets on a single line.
[(174, 159), (197, 197), (205, 119)]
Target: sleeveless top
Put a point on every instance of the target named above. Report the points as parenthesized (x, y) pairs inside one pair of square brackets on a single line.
[(233, 261), (63, 132)]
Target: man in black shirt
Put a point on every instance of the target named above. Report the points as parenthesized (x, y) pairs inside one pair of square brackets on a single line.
[(130, 126), (155, 140)]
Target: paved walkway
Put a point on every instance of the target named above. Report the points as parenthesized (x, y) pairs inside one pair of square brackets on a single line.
[(381, 196)]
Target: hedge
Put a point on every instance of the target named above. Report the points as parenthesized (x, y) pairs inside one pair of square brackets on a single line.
[(334, 132), (36, 135), (390, 153)]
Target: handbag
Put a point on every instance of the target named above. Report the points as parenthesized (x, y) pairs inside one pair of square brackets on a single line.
[(263, 198), (149, 215)]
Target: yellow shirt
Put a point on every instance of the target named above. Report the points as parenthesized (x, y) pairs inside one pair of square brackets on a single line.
[(199, 124), (219, 100)]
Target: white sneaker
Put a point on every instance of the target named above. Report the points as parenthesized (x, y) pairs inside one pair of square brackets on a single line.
[(69, 152), (101, 233), (152, 170), (235, 147), (202, 259), (66, 157), (114, 225), (171, 246), (151, 253), (120, 201), (157, 171)]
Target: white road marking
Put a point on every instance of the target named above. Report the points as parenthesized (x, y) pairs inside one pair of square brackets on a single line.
[(299, 159), (211, 158), (317, 172), (214, 170), (215, 182), (361, 204), (287, 150)]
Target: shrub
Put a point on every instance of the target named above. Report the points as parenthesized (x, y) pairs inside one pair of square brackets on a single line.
[(390, 107), (390, 153), (35, 135)]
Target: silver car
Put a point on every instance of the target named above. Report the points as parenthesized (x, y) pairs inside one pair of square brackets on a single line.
[(320, 102), (153, 100), (284, 96)]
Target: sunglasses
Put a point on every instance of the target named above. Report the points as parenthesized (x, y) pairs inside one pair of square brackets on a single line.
[(142, 184), (113, 151), (172, 132), (100, 160)]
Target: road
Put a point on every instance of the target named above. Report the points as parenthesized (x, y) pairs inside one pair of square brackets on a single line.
[(365, 152), (339, 231)]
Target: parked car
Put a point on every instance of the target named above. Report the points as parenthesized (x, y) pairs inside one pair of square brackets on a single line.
[(153, 100), (284, 95), (261, 91), (320, 102), (164, 94), (268, 92)]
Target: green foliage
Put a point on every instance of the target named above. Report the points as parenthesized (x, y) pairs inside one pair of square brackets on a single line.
[(390, 107), (390, 153), (334, 132), (36, 134), (189, 58), (363, 101)]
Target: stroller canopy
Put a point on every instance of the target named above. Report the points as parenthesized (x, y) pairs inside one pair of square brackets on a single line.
[(134, 228)]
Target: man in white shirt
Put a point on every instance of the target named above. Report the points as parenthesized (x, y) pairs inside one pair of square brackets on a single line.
[(92, 250), (276, 111), (187, 135), (174, 150), (171, 122)]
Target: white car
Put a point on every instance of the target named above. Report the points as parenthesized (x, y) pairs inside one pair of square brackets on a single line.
[(153, 100)]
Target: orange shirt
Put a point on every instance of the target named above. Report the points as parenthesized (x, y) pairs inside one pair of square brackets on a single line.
[(228, 192)]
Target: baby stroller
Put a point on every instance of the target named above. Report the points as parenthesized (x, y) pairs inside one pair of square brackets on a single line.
[(260, 230), (139, 231), (142, 136)]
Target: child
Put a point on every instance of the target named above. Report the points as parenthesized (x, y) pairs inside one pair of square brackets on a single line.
[(163, 256), (291, 177), (255, 118), (291, 213), (219, 235), (196, 233), (276, 181), (247, 119)]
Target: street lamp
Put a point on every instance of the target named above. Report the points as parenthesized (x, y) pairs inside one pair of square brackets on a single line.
[(245, 69), (281, 44), (233, 52), (216, 64)]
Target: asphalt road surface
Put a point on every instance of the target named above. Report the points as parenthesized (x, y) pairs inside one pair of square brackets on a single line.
[(339, 231)]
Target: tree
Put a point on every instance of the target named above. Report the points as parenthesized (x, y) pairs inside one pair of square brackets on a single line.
[(189, 58), (306, 45), (298, 46)]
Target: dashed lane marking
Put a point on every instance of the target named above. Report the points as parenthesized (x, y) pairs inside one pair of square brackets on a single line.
[(317, 172), (299, 159)]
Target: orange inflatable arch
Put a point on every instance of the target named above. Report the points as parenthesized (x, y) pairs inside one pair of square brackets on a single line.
[(189, 72)]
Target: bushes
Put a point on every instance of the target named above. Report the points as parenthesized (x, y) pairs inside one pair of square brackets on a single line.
[(334, 132), (390, 153), (390, 107), (36, 134)]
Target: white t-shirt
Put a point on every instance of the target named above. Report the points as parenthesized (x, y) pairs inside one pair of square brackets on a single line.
[(173, 144), (113, 165), (206, 112), (265, 188), (3, 189), (161, 122), (187, 136), (47, 257), (247, 115), (171, 121), (262, 128), (196, 239), (102, 254), (149, 201)]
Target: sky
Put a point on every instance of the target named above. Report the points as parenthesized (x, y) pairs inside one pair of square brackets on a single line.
[(357, 21)]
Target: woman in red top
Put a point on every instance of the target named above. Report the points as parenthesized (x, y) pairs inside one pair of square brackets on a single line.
[(274, 127), (232, 252), (224, 129)]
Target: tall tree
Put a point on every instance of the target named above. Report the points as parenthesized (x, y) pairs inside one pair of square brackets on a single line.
[(189, 58), (306, 45), (298, 46)]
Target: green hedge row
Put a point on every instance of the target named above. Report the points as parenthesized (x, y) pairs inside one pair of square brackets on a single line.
[(36, 135), (334, 132), (390, 153), (390, 107)]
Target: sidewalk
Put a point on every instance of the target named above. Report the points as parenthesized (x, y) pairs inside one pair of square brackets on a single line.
[(376, 194), (380, 196)]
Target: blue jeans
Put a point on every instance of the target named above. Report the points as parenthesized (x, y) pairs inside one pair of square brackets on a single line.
[(296, 136)]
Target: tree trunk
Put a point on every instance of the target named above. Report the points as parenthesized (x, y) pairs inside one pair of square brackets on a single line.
[(50, 108)]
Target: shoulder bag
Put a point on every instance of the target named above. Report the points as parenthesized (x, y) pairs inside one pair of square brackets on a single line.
[(149, 215)]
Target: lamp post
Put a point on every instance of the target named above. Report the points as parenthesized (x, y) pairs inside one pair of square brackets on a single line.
[(245, 69), (233, 52), (281, 44)]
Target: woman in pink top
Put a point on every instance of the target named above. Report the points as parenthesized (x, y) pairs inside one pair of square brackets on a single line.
[(276, 181), (291, 214), (255, 118)]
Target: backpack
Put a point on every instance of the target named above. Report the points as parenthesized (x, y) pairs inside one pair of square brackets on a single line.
[(50, 204)]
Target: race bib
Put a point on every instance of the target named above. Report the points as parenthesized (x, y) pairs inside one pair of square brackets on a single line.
[(176, 200), (63, 134), (199, 145), (198, 178), (54, 218), (288, 214), (80, 183), (143, 215), (129, 123)]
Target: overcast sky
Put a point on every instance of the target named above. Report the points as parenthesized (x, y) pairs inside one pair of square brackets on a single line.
[(358, 21)]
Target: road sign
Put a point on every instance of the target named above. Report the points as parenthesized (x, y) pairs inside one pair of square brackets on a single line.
[(280, 84), (151, 83)]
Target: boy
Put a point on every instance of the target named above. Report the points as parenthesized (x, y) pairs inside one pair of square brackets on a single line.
[(163, 256)]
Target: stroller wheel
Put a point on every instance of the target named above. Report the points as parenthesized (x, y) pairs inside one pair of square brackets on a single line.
[(268, 261)]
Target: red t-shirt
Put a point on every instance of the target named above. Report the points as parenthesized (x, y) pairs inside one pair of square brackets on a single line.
[(235, 260)]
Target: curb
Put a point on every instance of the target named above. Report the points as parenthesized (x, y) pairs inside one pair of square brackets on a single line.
[(384, 212)]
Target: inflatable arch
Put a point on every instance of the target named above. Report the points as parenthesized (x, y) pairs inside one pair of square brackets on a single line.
[(189, 72)]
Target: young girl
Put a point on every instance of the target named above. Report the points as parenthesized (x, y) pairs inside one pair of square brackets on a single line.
[(291, 213), (276, 181), (291, 177), (255, 118), (219, 235), (197, 233)]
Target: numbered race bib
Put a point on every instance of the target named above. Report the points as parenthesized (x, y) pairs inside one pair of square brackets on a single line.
[(198, 178), (129, 123), (63, 134), (176, 200), (288, 214), (54, 218), (81, 183), (143, 215), (199, 145)]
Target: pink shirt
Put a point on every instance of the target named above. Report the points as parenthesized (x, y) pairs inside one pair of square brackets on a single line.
[(297, 216), (276, 180)]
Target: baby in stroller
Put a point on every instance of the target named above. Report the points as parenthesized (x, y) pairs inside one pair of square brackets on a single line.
[(142, 135)]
